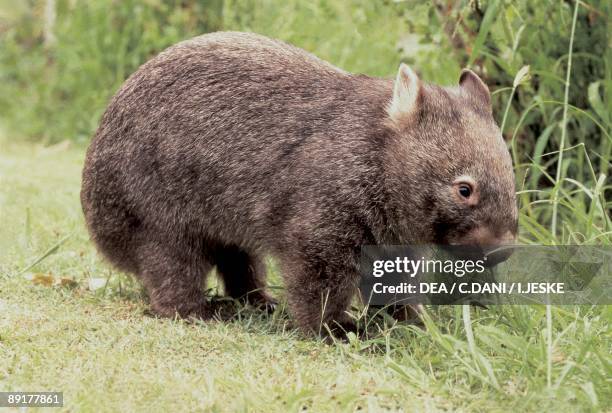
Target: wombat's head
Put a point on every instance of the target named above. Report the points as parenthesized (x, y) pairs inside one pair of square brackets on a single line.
[(449, 171)]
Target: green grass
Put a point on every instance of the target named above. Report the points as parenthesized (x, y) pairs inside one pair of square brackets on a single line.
[(106, 354)]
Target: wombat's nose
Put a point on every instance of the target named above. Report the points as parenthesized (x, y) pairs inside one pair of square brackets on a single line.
[(501, 250)]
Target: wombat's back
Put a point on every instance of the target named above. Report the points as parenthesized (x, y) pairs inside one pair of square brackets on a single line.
[(233, 136)]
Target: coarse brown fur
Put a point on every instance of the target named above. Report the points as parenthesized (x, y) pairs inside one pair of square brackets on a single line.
[(231, 146)]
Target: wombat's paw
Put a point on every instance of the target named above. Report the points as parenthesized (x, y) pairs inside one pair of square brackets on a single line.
[(339, 330), (260, 300), (191, 312), (264, 303), (410, 314), (202, 312)]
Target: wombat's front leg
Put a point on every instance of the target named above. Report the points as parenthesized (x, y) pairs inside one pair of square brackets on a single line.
[(319, 294), (173, 280)]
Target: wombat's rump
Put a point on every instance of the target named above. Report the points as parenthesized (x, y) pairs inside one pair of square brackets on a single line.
[(231, 146)]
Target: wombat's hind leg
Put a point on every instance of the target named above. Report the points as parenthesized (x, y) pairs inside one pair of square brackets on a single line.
[(243, 276), (174, 281)]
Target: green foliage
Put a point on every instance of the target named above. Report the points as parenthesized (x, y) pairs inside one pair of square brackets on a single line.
[(357, 35), (55, 90), (51, 91)]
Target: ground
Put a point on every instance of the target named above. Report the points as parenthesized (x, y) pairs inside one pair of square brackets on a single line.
[(96, 342)]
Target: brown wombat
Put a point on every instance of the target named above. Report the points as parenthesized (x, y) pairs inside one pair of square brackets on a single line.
[(231, 146)]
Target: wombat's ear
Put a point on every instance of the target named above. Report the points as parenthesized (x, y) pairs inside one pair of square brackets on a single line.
[(405, 93), (475, 87)]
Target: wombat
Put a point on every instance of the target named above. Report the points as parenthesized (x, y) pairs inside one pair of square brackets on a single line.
[(231, 147)]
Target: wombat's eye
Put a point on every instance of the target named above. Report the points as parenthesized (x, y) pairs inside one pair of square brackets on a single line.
[(465, 190)]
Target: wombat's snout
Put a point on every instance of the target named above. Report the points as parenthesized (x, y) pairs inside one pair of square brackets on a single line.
[(497, 249), (482, 243), (497, 255)]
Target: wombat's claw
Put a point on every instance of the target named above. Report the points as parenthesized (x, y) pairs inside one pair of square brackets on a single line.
[(268, 306)]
